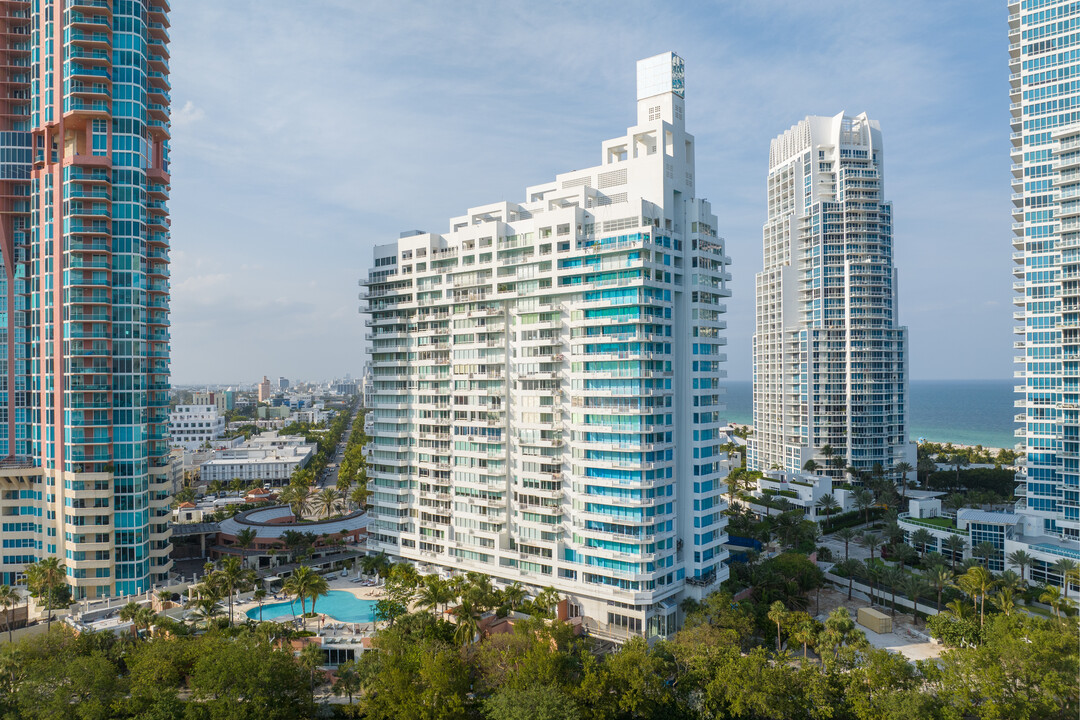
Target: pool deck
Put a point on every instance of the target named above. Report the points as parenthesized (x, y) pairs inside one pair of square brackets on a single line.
[(336, 583)]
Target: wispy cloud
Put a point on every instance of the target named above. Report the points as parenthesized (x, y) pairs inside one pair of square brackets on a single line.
[(305, 134)]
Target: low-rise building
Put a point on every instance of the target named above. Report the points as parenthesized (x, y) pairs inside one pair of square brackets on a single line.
[(279, 412), (314, 415), (973, 526), (194, 426), (267, 457), (270, 526), (225, 401), (803, 490)]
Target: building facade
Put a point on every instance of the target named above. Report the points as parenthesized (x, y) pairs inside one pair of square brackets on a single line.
[(84, 235), (224, 400), (194, 426), (533, 367), (267, 457), (1043, 57), (830, 357), (264, 389)]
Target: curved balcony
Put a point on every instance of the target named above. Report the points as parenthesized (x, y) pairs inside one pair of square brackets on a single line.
[(99, 278), (93, 37), (90, 7), (88, 56), (89, 350), (158, 82), (79, 297), (95, 245), (159, 127)]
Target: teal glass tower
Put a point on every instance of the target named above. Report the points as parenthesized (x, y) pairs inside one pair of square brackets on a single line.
[(85, 239), (1044, 59)]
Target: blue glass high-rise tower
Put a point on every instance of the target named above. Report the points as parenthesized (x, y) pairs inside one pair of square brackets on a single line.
[(1044, 63), (84, 153)]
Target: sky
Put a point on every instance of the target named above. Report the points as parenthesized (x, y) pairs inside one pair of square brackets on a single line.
[(306, 133)]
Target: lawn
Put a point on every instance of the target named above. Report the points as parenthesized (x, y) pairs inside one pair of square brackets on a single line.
[(939, 521)]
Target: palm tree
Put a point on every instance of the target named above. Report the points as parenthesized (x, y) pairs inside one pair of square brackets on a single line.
[(939, 577), (977, 583), (959, 460), (873, 572), (804, 633), (1012, 581), (838, 463), (954, 502), (1067, 569), (956, 546), (305, 583), (348, 681), (871, 541), (259, 596), (46, 576), (902, 554), (433, 593), (827, 503), (984, 551), (245, 538), (849, 569), (326, 502), (231, 575), (467, 626), (1051, 595), (1004, 600), (514, 595), (864, 500), (914, 586), (9, 600), (205, 601), (777, 613), (548, 599), (959, 609), (827, 452), (296, 497), (847, 535), (145, 618), (1020, 559), (893, 577), (810, 466), (312, 659), (902, 469), (129, 613), (920, 539)]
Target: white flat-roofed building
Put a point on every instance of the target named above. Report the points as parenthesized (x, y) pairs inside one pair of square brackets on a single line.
[(547, 382), (804, 491), (267, 457), (194, 426)]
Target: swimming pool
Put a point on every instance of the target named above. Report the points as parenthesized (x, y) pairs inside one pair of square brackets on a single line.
[(340, 605)]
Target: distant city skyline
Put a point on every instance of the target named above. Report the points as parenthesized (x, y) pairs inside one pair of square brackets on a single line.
[(287, 173)]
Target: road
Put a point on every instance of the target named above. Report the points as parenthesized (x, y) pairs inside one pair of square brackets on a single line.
[(329, 476)]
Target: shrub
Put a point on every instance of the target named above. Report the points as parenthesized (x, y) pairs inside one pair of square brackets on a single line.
[(954, 631)]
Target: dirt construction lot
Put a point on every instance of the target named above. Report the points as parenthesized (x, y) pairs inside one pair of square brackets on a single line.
[(907, 639)]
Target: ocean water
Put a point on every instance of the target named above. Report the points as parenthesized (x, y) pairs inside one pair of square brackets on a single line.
[(965, 412)]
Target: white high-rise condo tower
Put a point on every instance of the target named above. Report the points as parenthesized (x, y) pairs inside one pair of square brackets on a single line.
[(830, 358), (532, 369), (1044, 60)]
